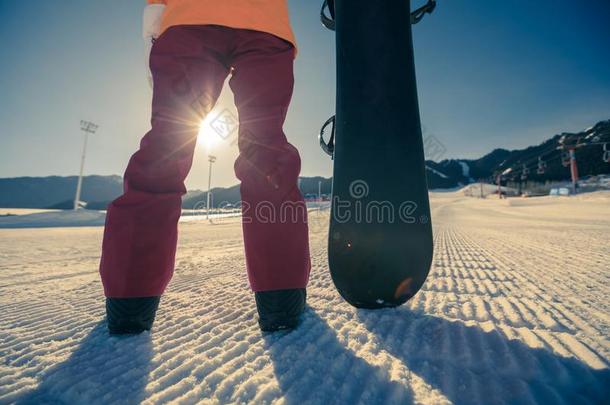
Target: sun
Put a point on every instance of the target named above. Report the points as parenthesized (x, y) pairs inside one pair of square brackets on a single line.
[(207, 137)]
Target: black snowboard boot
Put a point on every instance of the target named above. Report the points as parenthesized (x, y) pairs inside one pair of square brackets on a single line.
[(128, 316), (280, 309)]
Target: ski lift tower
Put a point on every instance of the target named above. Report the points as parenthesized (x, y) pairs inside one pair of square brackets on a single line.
[(568, 143), (211, 159), (499, 177), (88, 128)]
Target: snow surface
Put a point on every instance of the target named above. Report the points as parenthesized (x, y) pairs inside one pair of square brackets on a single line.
[(515, 310), (444, 176), (25, 218), (22, 211), (465, 168), (54, 219)]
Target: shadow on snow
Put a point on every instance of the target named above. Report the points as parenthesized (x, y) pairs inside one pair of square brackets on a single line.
[(311, 364), (470, 365), (465, 364), (102, 369)]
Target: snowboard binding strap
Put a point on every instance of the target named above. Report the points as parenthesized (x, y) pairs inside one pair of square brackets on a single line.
[(328, 19), (418, 14), (328, 147)]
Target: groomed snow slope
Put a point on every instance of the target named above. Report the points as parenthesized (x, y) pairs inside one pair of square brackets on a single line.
[(515, 311)]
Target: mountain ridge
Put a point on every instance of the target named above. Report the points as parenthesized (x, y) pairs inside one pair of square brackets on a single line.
[(58, 191)]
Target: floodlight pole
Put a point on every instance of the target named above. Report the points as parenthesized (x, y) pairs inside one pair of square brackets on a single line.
[(88, 128), (573, 169), (319, 195), (211, 159)]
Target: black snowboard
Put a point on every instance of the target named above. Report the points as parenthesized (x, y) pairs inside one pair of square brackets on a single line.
[(380, 240)]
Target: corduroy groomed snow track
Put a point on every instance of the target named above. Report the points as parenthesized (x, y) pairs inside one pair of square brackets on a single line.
[(515, 310)]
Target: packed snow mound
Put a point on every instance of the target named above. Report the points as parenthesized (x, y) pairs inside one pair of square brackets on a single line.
[(484, 190), (515, 310), (22, 211), (54, 219)]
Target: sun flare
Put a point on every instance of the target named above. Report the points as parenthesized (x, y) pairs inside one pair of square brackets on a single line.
[(207, 137)]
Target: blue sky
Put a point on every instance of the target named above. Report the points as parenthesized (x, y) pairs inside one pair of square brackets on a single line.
[(490, 74)]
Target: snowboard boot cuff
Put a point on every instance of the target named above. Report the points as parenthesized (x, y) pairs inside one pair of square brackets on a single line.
[(127, 316), (280, 309)]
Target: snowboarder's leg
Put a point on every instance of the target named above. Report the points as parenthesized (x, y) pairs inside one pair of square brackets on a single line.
[(274, 211), (141, 226), (275, 215)]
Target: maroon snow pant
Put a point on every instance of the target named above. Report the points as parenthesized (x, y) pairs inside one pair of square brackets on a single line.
[(190, 64)]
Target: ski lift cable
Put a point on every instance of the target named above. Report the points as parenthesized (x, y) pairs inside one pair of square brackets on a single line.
[(582, 141), (517, 171), (597, 143), (532, 162), (533, 156)]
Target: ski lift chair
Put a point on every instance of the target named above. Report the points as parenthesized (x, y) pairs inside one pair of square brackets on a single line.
[(541, 166)]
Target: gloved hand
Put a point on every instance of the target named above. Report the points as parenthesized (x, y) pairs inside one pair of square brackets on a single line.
[(151, 28)]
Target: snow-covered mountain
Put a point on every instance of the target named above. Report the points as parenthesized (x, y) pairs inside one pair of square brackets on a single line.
[(58, 192), (589, 160)]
